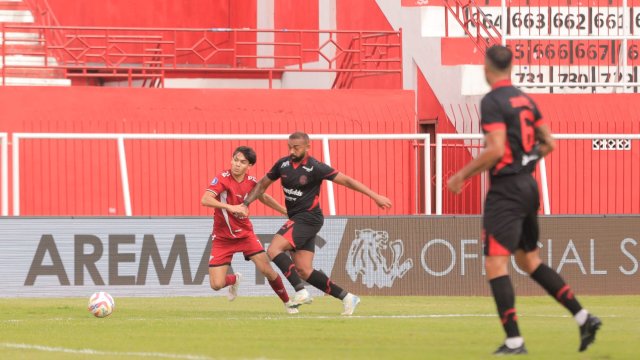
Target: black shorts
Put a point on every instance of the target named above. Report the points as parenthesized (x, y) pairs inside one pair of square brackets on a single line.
[(301, 230), (510, 220)]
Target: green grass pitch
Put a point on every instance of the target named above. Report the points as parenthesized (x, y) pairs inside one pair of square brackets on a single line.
[(258, 328)]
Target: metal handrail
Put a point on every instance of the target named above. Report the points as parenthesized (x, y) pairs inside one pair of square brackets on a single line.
[(148, 52)]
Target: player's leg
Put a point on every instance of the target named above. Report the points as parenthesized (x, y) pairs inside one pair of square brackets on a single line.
[(504, 296), (303, 259), (221, 254), (501, 235), (218, 277), (528, 260), (263, 265), (277, 253)]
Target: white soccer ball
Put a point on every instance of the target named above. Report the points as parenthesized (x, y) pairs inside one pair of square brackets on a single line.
[(101, 304)]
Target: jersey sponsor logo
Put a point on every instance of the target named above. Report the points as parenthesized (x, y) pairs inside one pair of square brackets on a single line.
[(303, 180), (214, 181), (309, 169), (284, 164), (529, 158), (520, 101), (293, 192), (367, 257)]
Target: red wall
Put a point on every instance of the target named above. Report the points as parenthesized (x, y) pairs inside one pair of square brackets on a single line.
[(72, 177), (157, 13)]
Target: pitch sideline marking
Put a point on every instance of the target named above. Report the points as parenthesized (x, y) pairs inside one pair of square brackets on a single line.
[(283, 317), (100, 352)]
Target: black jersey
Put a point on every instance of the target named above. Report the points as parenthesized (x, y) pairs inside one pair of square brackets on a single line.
[(301, 183), (508, 108)]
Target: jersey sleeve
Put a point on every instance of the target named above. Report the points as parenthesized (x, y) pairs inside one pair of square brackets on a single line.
[(537, 117), (491, 117), (326, 172), (274, 173), (217, 186)]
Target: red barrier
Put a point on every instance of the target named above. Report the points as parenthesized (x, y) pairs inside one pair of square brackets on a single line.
[(82, 177)]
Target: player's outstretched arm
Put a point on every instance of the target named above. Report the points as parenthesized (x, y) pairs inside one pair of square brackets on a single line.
[(545, 139), (489, 156), (353, 184), (272, 203)]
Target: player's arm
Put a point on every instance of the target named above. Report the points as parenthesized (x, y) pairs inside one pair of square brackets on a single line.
[(209, 200), (489, 156), (255, 193), (272, 203), (353, 184), (546, 144)]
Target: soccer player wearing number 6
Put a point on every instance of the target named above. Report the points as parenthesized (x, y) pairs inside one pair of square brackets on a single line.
[(515, 138), (301, 177), (233, 232)]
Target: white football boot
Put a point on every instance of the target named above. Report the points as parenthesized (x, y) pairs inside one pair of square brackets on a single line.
[(300, 298), (233, 289), (350, 303), (291, 308)]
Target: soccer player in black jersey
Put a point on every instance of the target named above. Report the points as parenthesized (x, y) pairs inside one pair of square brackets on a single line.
[(301, 177), (515, 137)]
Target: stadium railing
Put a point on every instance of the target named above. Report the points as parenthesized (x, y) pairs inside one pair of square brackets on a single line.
[(598, 142), (17, 138), (4, 173), (152, 53)]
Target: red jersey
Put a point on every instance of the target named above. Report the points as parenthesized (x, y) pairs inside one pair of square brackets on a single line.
[(229, 191)]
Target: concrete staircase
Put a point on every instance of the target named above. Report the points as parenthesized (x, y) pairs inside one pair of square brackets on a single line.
[(25, 57)]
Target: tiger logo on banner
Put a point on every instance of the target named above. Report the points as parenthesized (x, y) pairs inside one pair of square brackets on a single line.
[(377, 260)]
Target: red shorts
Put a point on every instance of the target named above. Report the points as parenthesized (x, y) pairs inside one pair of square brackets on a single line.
[(222, 249)]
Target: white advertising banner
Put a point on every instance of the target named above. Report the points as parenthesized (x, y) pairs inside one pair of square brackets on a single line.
[(130, 256)]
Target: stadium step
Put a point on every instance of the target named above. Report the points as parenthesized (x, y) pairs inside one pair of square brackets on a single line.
[(16, 16), (26, 60), (15, 81), (21, 38), (14, 5), (23, 51), (34, 73)]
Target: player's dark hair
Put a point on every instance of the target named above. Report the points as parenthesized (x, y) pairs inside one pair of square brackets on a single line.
[(499, 57), (248, 153), (299, 135)]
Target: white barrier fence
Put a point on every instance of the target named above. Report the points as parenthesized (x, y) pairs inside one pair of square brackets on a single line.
[(120, 138), (4, 173), (325, 138), (542, 164)]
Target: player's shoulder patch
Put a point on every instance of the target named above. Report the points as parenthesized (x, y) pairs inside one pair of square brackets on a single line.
[(252, 178), (214, 181)]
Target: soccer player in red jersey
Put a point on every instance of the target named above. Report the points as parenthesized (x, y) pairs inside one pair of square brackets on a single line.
[(233, 232), (515, 137), (301, 176)]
